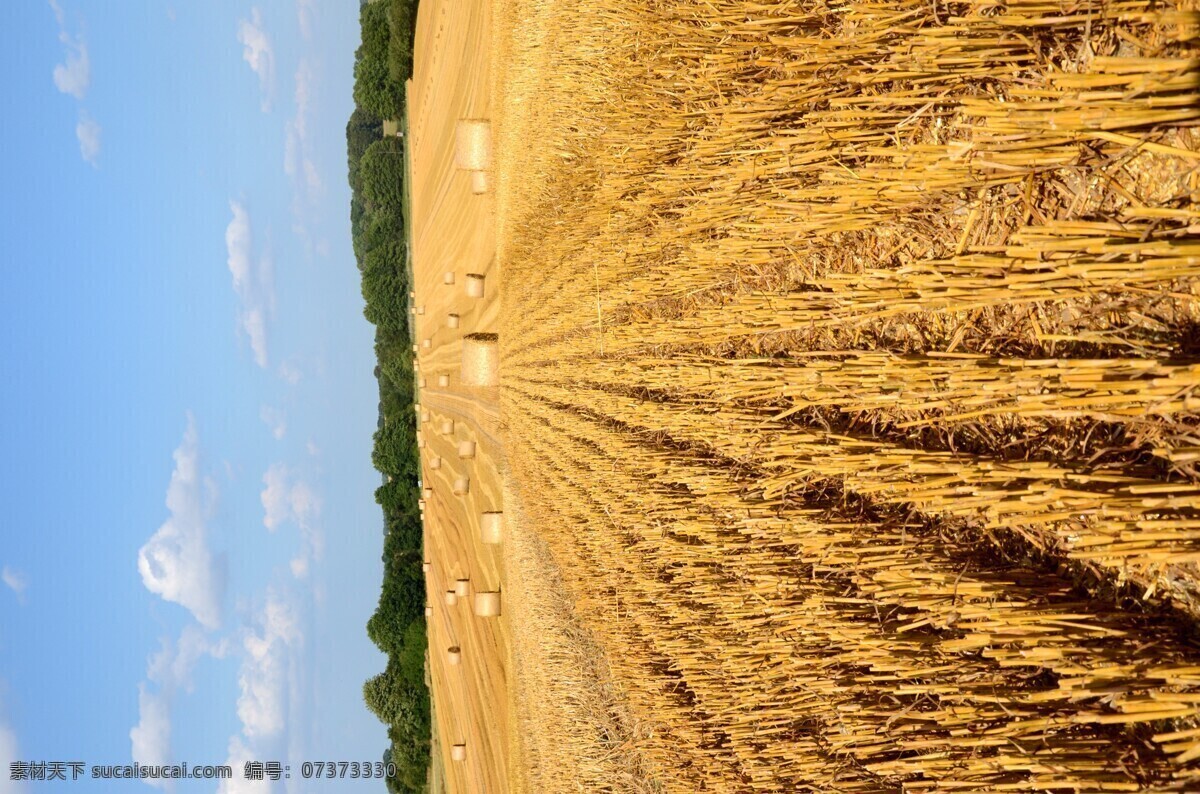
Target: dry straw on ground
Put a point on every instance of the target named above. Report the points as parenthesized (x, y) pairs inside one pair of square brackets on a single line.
[(852, 353)]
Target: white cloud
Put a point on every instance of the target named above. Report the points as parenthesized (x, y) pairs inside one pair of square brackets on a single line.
[(290, 373), (171, 669), (270, 704), (275, 420), (299, 566), (9, 752), (275, 496), (253, 282), (297, 149), (267, 670), (305, 11), (258, 51), (237, 246), (255, 326), (88, 133), (312, 448), (239, 754), (151, 737), (176, 562), (74, 75), (286, 498), (16, 581)]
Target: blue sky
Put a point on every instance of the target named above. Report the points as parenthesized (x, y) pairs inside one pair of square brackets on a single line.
[(189, 548)]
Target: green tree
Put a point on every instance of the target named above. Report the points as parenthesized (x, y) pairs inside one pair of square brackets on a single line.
[(362, 130), (381, 176), (399, 55), (374, 89), (395, 449), (385, 291), (411, 664), (398, 498), (379, 229)]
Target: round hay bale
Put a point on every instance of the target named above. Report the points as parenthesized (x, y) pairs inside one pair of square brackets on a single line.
[(466, 449), (454, 655), (412, 293), (447, 427), (452, 321), (443, 381), (416, 348), (448, 277), (451, 598), (421, 503), (426, 566), (462, 486), (474, 285), (421, 382), (462, 588), (420, 310), (481, 360), (424, 414), (427, 343), (435, 462), (473, 144), (458, 752), (479, 182), (428, 612), (491, 528), (487, 605), (427, 493)]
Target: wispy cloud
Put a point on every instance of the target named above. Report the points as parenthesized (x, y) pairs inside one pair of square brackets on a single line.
[(9, 752), (175, 562), (171, 670), (239, 754), (74, 75), (262, 705), (259, 52), (290, 373), (298, 161), (275, 420), (305, 12), (287, 498), (253, 281), (151, 737), (16, 581), (270, 702), (88, 133)]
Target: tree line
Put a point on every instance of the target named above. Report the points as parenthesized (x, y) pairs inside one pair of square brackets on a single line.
[(398, 696)]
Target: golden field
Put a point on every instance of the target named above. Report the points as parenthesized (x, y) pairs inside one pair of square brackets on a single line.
[(846, 426)]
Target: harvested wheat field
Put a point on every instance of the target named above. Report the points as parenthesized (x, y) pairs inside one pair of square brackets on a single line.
[(458, 425), (848, 368)]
